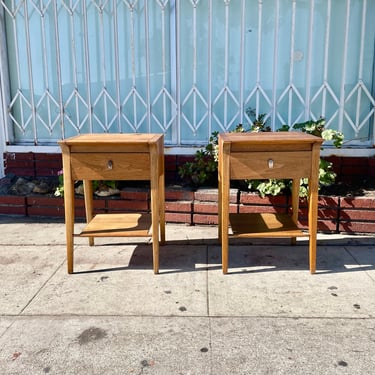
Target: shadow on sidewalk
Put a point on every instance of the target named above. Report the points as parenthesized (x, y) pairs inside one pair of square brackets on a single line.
[(249, 256)]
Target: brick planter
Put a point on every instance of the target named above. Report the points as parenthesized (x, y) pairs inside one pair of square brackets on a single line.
[(183, 205), (328, 214), (357, 215), (336, 214), (12, 205)]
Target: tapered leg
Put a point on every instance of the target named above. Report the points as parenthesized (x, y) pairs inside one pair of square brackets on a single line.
[(155, 228), (313, 227), (295, 204), (313, 205), (69, 218), (89, 208), (68, 206), (155, 205), (161, 189), (69, 222), (224, 228), (224, 182)]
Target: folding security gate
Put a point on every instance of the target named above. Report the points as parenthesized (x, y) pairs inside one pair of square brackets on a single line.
[(184, 67)]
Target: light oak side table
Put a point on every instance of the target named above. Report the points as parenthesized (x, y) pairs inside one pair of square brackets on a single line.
[(91, 157), (280, 155)]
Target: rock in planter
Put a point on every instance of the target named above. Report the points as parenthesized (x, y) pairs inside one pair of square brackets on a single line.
[(22, 187)]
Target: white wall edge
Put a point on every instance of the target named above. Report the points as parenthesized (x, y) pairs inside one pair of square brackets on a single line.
[(170, 150), (348, 152), (56, 150), (34, 149)]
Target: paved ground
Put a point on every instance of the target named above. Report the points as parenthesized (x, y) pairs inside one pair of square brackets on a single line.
[(114, 316)]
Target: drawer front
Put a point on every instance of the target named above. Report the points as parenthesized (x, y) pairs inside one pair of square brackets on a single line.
[(264, 165), (110, 166)]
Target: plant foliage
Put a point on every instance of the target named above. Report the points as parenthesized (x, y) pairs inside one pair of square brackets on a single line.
[(59, 191), (203, 169)]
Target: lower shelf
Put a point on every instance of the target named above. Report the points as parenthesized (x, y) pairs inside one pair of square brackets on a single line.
[(118, 225), (264, 225)]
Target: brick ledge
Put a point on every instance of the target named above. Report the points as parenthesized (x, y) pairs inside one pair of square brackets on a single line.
[(352, 215)]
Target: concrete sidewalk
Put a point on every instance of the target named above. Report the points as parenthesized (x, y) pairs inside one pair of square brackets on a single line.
[(114, 316)]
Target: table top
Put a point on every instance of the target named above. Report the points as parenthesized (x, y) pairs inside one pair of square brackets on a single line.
[(270, 138), (96, 139)]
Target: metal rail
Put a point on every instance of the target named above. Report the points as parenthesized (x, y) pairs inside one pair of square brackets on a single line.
[(181, 67)]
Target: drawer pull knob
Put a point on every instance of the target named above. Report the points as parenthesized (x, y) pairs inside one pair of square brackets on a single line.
[(110, 164), (270, 163)]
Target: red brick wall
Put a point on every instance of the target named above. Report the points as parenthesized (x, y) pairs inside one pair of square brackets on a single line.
[(335, 214), (43, 165), (350, 169), (32, 164), (183, 205)]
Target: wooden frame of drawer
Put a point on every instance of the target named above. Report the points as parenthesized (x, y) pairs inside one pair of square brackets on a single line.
[(110, 166), (264, 165)]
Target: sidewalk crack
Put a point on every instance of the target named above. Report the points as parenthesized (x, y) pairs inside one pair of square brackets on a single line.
[(41, 288), (359, 264)]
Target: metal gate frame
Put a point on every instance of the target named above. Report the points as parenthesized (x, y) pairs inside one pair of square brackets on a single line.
[(190, 113)]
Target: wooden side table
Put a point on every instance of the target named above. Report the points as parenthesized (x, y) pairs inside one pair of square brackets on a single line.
[(280, 155), (115, 157)]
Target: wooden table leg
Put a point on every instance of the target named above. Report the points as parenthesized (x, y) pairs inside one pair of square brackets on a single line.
[(161, 189), (69, 223), (224, 237), (155, 206), (224, 185), (313, 205), (313, 227), (89, 207), (69, 219), (295, 205), (155, 229), (220, 201)]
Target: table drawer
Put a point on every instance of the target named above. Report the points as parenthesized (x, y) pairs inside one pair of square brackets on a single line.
[(110, 166), (263, 165)]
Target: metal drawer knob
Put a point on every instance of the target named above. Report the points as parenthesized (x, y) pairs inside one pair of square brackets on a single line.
[(270, 163), (110, 164)]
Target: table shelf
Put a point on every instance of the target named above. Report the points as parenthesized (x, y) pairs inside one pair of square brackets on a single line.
[(251, 225), (118, 225)]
